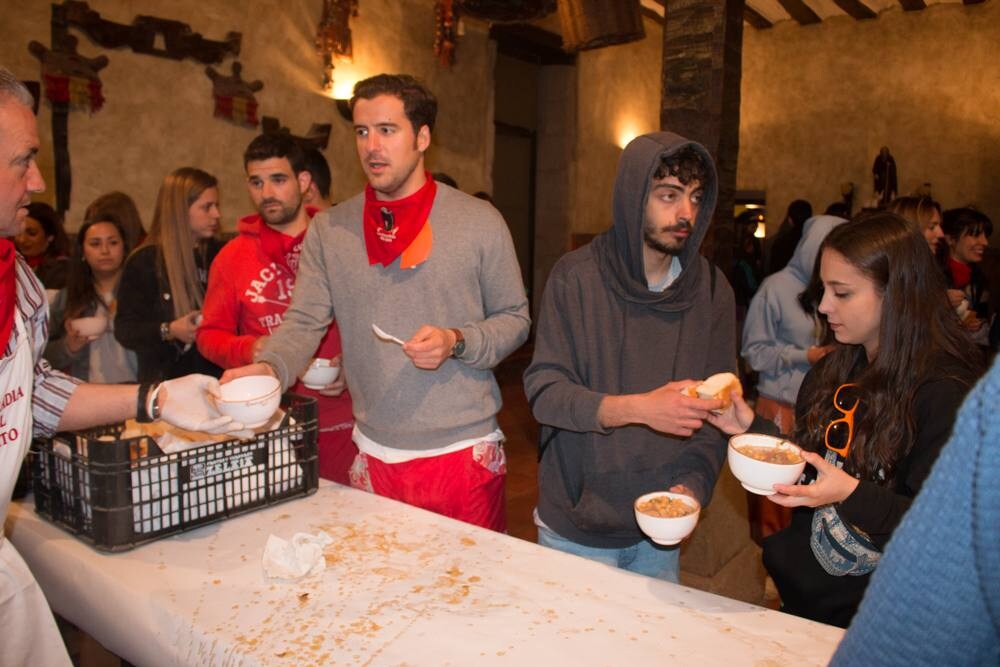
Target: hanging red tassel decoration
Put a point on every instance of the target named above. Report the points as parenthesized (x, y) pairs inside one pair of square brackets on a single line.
[(234, 96), (70, 78), (80, 93), (445, 32)]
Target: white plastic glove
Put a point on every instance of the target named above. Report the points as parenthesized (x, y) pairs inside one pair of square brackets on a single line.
[(186, 402)]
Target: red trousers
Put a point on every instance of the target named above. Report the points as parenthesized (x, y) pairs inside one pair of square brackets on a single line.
[(467, 485)]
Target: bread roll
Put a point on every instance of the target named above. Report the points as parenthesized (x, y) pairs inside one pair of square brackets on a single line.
[(720, 386)]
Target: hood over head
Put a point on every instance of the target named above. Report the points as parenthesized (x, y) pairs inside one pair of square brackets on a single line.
[(804, 258), (619, 249)]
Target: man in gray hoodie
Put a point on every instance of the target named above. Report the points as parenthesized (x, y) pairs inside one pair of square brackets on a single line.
[(626, 322)]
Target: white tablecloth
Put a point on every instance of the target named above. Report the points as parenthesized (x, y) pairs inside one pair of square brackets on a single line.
[(402, 587)]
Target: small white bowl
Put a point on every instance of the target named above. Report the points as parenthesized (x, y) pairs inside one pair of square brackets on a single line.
[(250, 400), (89, 326), (760, 476), (319, 374), (667, 530)]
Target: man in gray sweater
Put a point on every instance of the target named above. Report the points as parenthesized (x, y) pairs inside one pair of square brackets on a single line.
[(626, 322), (422, 261)]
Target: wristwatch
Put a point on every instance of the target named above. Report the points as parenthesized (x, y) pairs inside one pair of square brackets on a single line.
[(165, 331), (458, 349)]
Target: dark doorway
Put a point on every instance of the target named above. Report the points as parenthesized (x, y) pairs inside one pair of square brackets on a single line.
[(514, 150), (533, 132)]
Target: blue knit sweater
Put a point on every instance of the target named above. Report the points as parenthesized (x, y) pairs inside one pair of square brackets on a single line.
[(935, 597)]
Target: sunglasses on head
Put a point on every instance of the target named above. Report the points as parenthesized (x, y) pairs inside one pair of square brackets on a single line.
[(840, 432)]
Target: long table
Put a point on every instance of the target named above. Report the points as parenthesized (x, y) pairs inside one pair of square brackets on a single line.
[(402, 587)]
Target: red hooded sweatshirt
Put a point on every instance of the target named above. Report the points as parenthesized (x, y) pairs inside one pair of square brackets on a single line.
[(249, 288)]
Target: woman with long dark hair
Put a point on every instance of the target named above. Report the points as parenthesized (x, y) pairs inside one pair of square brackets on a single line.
[(163, 287), (118, 207), (871, 416), (91, 292)]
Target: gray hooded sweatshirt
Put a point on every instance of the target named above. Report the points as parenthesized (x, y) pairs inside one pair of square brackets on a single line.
[(602, 332), (778, 333)]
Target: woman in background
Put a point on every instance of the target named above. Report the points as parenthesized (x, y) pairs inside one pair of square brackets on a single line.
[(163, 285), (967, 232), (925, 215), (95, 274), (43, 243), (119, 208), (871, 416)]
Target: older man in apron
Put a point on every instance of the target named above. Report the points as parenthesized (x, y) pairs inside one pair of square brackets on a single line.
[(29, 630), (37, 401)]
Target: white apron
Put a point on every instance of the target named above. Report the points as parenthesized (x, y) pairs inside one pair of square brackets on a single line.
[(30, 635)]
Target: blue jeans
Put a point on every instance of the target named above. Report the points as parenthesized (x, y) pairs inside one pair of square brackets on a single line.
[(643, 558)]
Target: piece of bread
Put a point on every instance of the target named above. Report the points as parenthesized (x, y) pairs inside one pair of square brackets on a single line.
[(720, 386)]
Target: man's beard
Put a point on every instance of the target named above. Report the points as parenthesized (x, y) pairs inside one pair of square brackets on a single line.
[(279, 218), (654, 243)]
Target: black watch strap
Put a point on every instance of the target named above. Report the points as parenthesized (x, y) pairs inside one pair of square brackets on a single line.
[(141, 414)]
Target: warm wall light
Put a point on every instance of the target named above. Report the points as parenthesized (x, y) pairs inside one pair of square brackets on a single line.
[(342, 90), (761, 230), (341, 93), (626, 133), (333, 36)]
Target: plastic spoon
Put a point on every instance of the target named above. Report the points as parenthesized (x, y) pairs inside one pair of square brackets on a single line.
[(384, 336)]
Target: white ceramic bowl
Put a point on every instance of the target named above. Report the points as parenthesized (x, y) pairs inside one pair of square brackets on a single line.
[(667, 530), (320, 373), (760, 476), (250, 400), (89, 326)]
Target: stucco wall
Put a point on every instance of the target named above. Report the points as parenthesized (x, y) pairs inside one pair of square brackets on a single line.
[(819, 101), (158, 113), (618, 97)]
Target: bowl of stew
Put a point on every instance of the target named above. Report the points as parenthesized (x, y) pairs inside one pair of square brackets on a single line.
[(760, 461), (666, 517)]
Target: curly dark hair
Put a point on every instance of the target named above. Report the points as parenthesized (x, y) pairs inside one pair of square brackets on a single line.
[(686, 165)]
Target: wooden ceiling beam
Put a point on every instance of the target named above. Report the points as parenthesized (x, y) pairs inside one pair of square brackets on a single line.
[(651, 14), (856, 9), (913, 5), (800, 11), (755, 18), (973, 2)]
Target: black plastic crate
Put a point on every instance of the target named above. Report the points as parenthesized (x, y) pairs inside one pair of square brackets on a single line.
[(119, 493)]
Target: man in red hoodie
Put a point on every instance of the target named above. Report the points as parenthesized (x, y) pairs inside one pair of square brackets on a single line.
[(251, 281)]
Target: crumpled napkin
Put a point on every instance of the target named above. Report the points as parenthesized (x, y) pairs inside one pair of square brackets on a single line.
[(295, 558)]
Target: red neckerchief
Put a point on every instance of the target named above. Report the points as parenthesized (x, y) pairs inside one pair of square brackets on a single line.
[(283, 248), (961, 274), (408, 217), (8, 291)]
